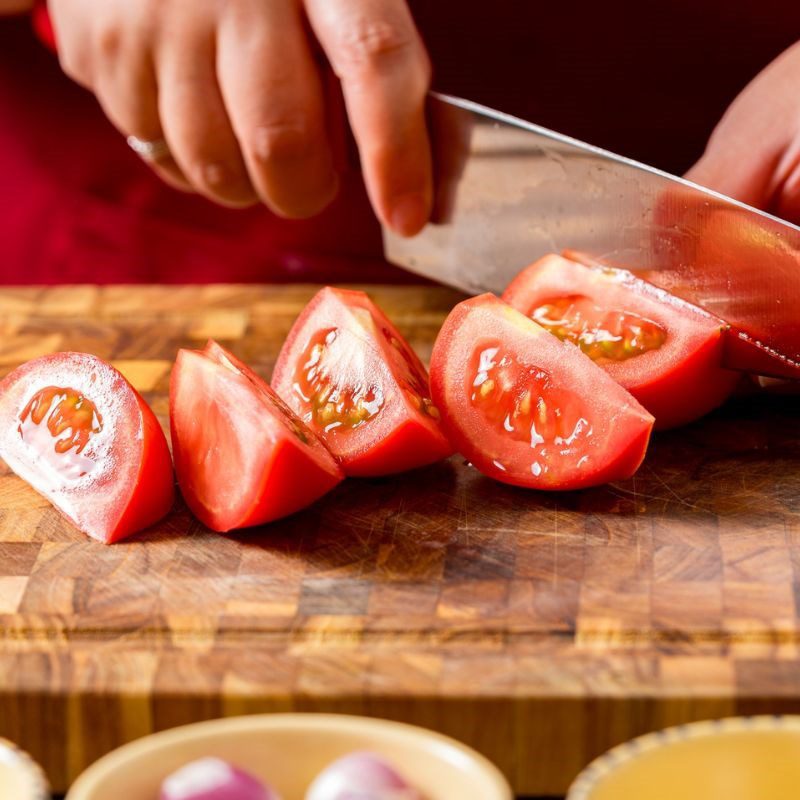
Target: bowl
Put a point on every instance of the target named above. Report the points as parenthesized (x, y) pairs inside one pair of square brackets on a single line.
[(738, 758), (21, 777), (288, 751)]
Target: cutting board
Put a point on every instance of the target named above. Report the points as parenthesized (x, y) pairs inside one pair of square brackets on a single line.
[(539, 628)]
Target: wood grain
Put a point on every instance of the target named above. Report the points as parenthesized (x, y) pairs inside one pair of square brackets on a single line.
[(539, 628)]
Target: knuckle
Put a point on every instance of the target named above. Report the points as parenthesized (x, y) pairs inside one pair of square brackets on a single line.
[(109, 42), (208, 172), (285, 140), (373, 43), (215, 172)]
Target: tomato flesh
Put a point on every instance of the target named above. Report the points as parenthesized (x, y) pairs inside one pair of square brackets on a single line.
[(604, 335), (81, 435), (334, 404), (522, 401), (350, 375), (530, 410), (243, 458), (664, 351)]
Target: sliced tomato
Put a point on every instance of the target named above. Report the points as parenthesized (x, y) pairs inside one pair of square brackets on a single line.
[(83, 437), (528, 409), (347, 372), (666, 352), (242, 457)]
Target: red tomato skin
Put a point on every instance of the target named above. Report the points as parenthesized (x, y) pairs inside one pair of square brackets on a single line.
[(639, 423), (678, 386), (276, 491), (281, 495), (402, 438), (152, 492), (408, 446)]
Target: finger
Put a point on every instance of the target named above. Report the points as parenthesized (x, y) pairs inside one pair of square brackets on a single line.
[(728, 167), (376, 51), (125, 86), (274, 99), (785, 201), (195, 122)]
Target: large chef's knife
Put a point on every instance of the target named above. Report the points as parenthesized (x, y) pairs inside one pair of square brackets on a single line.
[(509, 192)]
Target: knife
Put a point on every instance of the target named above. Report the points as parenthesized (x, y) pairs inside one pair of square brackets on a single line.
[(508, 192)]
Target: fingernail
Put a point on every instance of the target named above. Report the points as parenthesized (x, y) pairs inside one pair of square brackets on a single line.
[(230, 186), (409, 214)]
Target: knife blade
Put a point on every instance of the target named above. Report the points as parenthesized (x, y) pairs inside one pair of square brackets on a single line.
[(509, 191)]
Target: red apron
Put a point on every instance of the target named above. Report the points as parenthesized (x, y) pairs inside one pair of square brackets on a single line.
[(76, 205)]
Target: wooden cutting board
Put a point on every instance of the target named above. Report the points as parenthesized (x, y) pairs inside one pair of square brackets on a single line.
[(539, 628)]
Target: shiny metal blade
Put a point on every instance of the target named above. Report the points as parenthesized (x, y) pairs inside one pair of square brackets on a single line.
[(508, 192)]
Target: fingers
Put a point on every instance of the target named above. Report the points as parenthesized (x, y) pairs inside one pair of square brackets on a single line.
[(127, 91), (116, 64), (728, 167), (377, 53), (194, 119), (234, 91), (274, 98), (754, 153)]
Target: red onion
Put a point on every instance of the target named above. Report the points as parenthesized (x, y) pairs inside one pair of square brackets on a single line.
[(214, 779), (361, 776)]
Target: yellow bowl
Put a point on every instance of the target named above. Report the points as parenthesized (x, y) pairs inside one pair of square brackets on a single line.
[(740, 758), (288, 751), (21, 778)]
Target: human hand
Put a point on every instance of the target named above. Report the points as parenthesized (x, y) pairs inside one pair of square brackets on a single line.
[(236, 91), (754, 153)]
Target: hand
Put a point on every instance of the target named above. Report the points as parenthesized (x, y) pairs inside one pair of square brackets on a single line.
[(754, 153), (235, 90)]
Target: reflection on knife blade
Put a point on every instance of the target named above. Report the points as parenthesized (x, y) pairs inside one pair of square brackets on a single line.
[(508, 192)]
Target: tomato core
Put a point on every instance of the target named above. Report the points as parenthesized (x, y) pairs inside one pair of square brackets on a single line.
[(334, 405), (71, 419), (603, 335), (521, 402)]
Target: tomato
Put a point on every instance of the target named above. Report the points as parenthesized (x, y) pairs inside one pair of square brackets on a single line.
[(347, 371), (242, 457), (82, 436), (528, 409), (666, 352)]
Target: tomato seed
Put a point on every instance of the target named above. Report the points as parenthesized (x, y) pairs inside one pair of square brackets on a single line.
[(601, 334)]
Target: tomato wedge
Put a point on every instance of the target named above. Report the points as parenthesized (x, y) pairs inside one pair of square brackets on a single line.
[(528, 409), (348, 372), (242, 457), (83, 437), (666, 352)]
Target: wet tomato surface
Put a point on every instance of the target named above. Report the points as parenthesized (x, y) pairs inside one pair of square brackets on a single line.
[(351, 376), (528, 409), (81, 435), (664, 351)]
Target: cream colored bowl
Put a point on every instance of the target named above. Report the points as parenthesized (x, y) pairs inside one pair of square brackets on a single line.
[(741, 758), (20, 777), (288, 751)]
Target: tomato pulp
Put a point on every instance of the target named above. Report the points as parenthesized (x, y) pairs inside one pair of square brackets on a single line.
[(348, 372), (84, 438), (242, 457), (666, 352), (528, 409)]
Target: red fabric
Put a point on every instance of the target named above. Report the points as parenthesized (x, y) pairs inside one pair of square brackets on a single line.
[(77, 205), (42, 24)]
